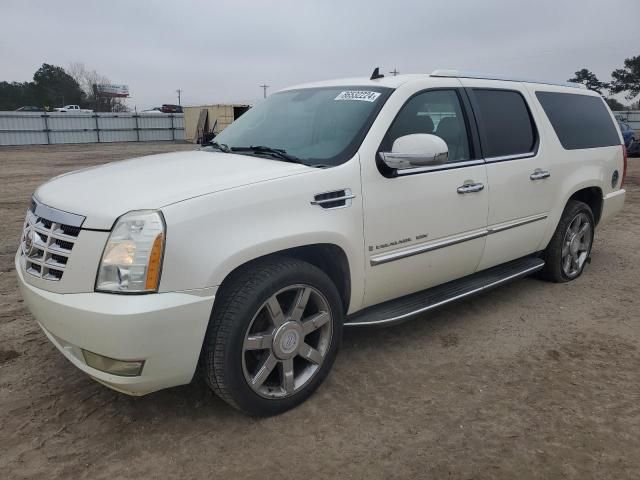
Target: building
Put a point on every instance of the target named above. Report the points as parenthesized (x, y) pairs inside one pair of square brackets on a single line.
[(210, 118)]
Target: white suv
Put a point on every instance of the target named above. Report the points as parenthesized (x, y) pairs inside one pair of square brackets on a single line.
[(343, 203)]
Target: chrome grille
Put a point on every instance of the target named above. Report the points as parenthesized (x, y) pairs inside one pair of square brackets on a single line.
[(46, 246)]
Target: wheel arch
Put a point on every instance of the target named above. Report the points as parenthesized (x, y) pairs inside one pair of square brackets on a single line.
[(593, 197), (328, 257), (589, 192)]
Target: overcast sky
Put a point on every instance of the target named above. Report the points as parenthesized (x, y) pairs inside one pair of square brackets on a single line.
[(221, 51)]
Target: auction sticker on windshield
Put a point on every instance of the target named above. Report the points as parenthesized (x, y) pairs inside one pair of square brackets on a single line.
[(360, 95)]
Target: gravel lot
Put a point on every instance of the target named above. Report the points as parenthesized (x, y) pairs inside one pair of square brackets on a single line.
[(533, 380)]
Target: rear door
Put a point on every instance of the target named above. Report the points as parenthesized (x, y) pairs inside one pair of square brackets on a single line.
[(519, 170)]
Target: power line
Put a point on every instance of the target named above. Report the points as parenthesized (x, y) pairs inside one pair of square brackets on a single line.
[(264, 90), (394, 71)]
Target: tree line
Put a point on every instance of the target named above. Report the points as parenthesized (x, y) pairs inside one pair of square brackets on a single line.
[(623, 80), (53, 86)]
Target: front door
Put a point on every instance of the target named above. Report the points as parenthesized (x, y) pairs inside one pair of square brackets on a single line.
[(423, 226)]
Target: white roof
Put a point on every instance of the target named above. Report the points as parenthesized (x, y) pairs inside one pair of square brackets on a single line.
[(397, 80), (387, 81)]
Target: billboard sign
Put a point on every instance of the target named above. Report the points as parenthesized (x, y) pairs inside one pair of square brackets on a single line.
[(112, 90)]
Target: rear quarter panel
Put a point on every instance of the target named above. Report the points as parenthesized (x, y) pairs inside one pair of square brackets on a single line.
[(573, 170)]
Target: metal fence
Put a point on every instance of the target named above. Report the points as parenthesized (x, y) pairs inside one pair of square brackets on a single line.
[(38, 128), (632, 117)]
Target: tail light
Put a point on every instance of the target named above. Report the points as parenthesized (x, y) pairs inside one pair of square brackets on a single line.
[(624, 168)]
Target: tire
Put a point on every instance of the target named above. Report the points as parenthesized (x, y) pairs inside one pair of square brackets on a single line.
[(261, 355), (568, 241)]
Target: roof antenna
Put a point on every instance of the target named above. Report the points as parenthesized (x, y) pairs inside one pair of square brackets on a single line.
[(376, 74)]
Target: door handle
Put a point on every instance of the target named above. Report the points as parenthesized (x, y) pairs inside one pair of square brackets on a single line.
[(539, 174), (470, 188)]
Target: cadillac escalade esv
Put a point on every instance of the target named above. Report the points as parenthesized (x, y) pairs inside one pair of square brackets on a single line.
[(344, 203)]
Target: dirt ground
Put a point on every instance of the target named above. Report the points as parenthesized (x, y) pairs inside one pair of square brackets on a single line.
[(533, 380)]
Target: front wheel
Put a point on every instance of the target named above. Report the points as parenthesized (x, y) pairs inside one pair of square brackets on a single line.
[(570, 247), (273, 336)]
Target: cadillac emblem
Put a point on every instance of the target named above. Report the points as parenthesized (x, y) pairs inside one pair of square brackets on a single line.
[(27, 245)]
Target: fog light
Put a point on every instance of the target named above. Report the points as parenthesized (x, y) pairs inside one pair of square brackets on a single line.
[(123, 368)]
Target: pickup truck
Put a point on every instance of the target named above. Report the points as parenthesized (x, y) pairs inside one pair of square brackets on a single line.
[(347, 203), (72, 108)]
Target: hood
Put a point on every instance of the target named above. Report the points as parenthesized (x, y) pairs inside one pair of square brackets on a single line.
[(105, 192)]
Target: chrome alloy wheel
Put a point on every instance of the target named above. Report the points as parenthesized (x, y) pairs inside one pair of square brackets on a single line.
[(287, 341), (576, 245)]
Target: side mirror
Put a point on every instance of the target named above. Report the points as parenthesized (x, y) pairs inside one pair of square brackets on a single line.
[(416, 150)]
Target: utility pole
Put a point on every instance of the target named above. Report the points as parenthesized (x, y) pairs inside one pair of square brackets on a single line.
[(394, 71), (179, 92), (264, 90)]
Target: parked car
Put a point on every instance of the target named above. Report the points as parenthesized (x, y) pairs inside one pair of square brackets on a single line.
[(633, 150), (72, 108), (166, 108), (337, 204), (628, 133), (152, 110), (29, 108)]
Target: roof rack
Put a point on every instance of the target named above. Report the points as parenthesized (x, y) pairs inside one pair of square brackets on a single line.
[(484, 76)]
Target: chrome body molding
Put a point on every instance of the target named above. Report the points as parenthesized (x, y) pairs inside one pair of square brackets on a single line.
[(509, 157), (425, 247), (447, 242), (516, 223), (437, 168), (399, 318), (54, 215), (465, 163)]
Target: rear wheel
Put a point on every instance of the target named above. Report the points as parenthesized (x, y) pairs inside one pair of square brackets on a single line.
[(570, 247), (273, 336)]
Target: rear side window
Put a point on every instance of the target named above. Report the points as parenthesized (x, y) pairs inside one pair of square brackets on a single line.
[(504, 122), (580, 121)]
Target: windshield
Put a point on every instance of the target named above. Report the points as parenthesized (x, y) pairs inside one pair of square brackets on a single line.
[(319, 126)]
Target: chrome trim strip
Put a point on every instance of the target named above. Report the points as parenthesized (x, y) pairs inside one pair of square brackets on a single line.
[(57, 216), (330, 200), (509, 157), (404, 161), (435, 168), (428, 247), (517, 223), (398, 318)]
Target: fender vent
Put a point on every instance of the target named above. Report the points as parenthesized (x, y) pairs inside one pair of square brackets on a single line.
[(335, 199)]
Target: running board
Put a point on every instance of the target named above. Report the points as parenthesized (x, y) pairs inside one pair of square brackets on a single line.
[(401, 309)]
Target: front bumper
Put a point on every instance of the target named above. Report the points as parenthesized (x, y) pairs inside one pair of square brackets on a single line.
[(165, 330)]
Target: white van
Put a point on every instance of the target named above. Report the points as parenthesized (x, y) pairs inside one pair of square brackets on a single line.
[(354, 202)]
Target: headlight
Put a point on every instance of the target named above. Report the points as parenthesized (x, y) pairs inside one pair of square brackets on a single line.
[(132, 258)]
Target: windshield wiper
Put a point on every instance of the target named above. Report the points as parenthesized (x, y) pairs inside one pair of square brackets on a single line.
[(218, 146), (278, 153)]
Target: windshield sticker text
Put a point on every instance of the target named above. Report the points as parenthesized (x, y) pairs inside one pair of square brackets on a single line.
[(359, 95)]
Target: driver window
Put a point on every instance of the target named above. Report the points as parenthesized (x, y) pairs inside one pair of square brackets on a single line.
[(437, 112)]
